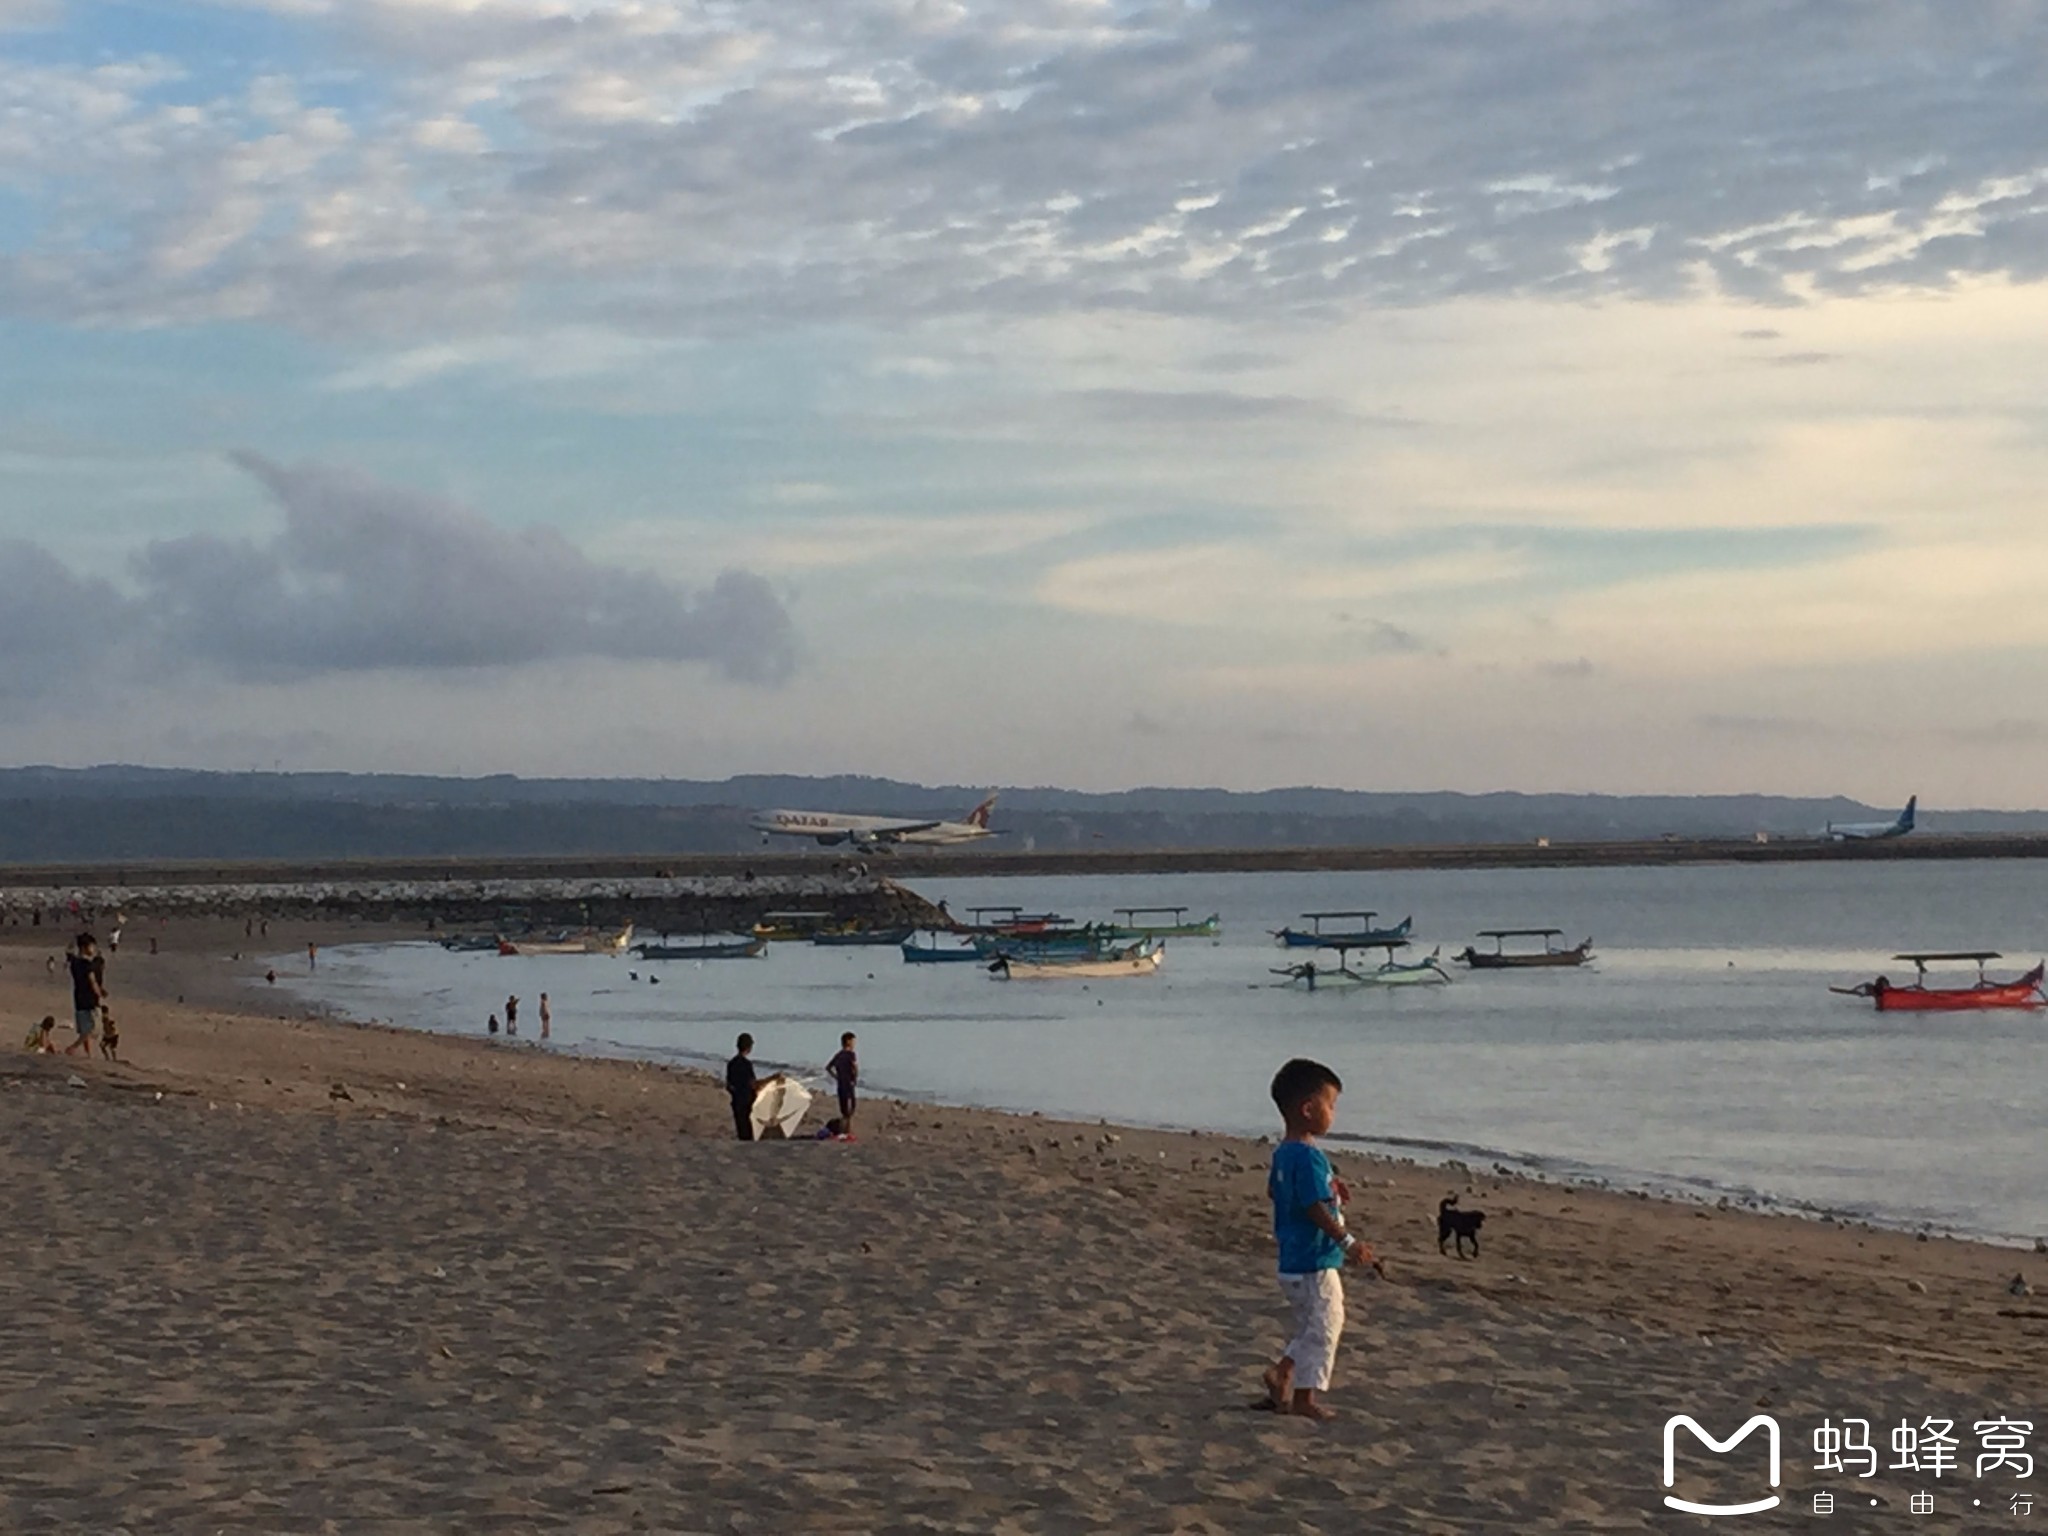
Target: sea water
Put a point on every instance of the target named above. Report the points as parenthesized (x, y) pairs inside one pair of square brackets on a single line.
[(1701, 1052)]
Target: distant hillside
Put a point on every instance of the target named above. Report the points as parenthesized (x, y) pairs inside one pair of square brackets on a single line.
[(50, 815)]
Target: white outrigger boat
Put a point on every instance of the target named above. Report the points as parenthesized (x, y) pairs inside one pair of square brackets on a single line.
[(589, 942), (1426, 972), (1141, 960)]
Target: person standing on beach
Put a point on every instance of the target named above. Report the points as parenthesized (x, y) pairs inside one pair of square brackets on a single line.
[(844, 1070), (743, 1087), (1308, 1228), (547, 1016), (312, 957), (511, 1015), (88, 991)]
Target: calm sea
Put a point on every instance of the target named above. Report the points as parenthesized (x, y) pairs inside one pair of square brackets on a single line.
[(1702, 1052)]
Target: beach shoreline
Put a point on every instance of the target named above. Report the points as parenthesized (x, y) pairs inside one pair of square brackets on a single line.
[(916, 1305)]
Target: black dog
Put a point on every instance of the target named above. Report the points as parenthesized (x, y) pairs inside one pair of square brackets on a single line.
[(1454, 1223)]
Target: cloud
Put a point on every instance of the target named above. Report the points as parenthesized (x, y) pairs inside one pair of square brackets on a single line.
[(54, 624), (691, 169), (1378, 637), (366, 575), (25, 15)]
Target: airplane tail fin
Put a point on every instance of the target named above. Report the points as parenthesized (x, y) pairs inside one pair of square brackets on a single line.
[(1906, 816), (978, 817)]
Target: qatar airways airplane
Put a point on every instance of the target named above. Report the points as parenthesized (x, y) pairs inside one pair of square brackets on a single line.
[(879, 832)]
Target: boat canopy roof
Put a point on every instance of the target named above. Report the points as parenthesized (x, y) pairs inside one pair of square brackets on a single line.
[(1317, 917), (1389, 945), (1521, 933), (1148, 911), (978, 911), (1979, 955), (790, 917)]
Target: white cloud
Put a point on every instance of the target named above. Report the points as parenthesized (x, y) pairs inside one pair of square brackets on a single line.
[(680, 166)]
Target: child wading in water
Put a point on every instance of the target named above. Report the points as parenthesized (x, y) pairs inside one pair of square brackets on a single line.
[(1308, 1226)]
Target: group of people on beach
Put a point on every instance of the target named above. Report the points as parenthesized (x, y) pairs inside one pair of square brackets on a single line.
[(547, 1018), (90, 1016), (743, 1085)]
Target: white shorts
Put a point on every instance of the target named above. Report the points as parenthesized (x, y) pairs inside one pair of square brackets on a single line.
[(1316, 1300)]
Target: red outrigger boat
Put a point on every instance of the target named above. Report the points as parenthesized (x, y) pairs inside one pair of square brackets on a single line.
[(1918, 997)]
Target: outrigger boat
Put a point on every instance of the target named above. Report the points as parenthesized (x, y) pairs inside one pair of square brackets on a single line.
[(1050, 943), (713, 949), (1426, 972), (1918, 997), (1499, 959), (1013, 922), (1140, 960), (1364, 936), (589, 942), (863, 936), (471, 943), (783, 927), (1137, 923), (915, 953)]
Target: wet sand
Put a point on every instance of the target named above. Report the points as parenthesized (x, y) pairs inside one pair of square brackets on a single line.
[(496, 1289)]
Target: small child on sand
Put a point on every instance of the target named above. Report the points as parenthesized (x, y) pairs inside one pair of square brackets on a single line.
[(110, 1037), (39, 1040), (1308, 1226)]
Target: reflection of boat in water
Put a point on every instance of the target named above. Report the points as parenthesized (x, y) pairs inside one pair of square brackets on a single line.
[(712, 949), (1361, 937), (1138, 923), (588, 942), (851, 936), (915, 953), (1140, 960), (1426, 972), (1918, 997), (1500, 958)]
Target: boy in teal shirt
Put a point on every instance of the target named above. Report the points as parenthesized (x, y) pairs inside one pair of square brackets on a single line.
[(1308, 1228)]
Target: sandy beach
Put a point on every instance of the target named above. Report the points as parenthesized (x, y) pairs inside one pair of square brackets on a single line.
[(280, 1274)]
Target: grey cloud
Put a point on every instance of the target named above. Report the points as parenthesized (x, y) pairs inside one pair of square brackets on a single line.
[(53, 622), (1802, 359), (1247, 158), (1142, 724), (1381, 638), (366, 575), (1576, 670)]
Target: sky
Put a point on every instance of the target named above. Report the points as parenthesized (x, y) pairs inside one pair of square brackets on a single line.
[(1390, 394)]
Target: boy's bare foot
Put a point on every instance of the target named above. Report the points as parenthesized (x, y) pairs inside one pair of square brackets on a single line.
[(1306, 1407), (1279, 1380)]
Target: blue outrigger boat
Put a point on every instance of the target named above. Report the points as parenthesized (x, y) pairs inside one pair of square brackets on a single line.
[(709, 949), (1364, 936), (915, 953)]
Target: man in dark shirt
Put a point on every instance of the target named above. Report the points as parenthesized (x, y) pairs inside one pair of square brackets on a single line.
[(88, 991), (844, 1070), (742, 1086)]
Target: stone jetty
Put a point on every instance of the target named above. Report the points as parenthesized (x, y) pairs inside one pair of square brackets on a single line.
[(654, 904)]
